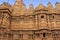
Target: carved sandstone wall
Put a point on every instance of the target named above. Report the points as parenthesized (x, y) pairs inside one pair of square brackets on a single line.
[(19, 23)]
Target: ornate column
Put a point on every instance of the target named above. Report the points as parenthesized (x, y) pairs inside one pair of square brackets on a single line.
[(20, 36), (38, 36), (1, 33), (31, 36), (49, 36), (15, 37), (37, 21), (48, 22)]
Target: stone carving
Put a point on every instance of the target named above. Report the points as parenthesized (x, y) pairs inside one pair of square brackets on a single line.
[(19, 23)]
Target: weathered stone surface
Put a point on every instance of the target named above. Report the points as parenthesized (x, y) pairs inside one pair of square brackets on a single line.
[(20, 23)]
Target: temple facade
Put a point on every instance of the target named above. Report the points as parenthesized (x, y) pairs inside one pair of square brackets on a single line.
[(19, 23)]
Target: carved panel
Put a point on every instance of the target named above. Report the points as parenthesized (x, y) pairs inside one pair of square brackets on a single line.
[(5, 20), (23, 23)]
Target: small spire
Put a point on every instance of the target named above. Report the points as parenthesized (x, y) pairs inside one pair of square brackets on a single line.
[(31, 5), (41, 7), (57, 2), (19, 8), (50, 7), (57, 6), (40, 3), (7, 1), (30, 9), (19, 1), (49, 2)]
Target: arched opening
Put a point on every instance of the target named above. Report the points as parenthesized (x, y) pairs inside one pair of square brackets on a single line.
[(42, 16), (53, 17), (44, 35)]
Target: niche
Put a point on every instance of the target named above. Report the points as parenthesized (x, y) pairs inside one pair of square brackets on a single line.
[(42, 16), (44, 35)]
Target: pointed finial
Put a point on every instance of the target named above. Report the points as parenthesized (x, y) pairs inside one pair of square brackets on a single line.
[(57, 2), (7, 1), (19, 1), (31, 3), (49, 2)]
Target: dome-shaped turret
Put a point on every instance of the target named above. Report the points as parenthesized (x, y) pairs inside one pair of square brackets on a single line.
[(41, 7), (30, 10), (50, 8), (57, 9), (19, 8), (6, 6)]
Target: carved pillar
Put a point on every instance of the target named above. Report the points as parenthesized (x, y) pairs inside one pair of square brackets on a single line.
[(36, 20), (31, 36), (10, 36), (1, 34), (48, 22), (54, 21), (56, 36), (1, 18), (20, 36), (2, 37), (49, 36), (25, 37), (38, 36), (15, 37), (6, 36)]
